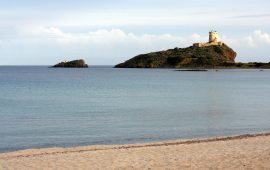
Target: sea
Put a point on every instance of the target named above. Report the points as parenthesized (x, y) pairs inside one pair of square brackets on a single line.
[(44, 107)]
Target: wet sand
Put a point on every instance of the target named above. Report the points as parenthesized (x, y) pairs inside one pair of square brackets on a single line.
[(237, 152)]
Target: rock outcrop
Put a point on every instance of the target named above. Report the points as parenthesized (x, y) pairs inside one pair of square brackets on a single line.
[(190, 57), (72, 64)]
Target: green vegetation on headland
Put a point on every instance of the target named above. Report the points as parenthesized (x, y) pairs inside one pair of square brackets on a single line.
[(191, 57), (72, 64)]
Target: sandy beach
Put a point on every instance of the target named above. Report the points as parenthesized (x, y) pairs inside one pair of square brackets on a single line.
[(237, 152)]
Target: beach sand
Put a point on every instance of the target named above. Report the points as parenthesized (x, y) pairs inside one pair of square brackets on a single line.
[(239, 152)]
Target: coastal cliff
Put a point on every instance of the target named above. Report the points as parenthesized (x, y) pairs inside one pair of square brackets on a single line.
[(190, 57), (75, 64)]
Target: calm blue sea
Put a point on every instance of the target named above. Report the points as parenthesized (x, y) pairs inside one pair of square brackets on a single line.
[(54, 107)]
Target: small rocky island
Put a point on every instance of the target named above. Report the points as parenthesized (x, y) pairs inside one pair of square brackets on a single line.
[(72, 64), (213, 54)]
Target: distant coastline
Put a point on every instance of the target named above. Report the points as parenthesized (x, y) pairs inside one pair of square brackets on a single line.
[(186, 68)]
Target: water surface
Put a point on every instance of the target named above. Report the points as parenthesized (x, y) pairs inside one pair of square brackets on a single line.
[(56, 107)]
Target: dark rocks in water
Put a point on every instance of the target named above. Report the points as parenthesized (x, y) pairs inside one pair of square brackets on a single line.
[(193, 70), (72, 64), (190, 57)]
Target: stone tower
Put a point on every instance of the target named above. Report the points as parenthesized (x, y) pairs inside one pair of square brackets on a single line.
[(213, 40), (213, 36)]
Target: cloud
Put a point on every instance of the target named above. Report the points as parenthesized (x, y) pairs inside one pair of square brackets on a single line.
[(118, 36), (248, 16), (102, 37), (256, 39), (261, 37), (111, 46), (130, 17), (115, 39)]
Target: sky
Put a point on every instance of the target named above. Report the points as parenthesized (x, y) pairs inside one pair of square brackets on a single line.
[(108, 32)]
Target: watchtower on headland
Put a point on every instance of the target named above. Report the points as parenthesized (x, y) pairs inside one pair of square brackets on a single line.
[(213, 40), (213, 36)]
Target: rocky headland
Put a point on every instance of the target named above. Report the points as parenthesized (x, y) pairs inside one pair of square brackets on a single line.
[(190, 57)]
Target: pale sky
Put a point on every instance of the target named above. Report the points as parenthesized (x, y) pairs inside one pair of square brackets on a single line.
[(106, 32)]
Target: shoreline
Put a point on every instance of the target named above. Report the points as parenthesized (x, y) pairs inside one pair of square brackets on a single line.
[(66, 150), (248, 151)]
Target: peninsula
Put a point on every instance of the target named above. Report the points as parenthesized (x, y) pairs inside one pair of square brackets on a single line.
[(213, 54), (75, 64)]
